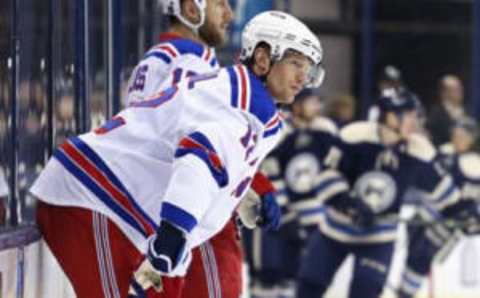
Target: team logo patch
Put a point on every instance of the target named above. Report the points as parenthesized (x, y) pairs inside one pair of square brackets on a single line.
[(301, 171), (377, 189)]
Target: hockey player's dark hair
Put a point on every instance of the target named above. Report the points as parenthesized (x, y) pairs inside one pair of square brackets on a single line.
[(250, 62)]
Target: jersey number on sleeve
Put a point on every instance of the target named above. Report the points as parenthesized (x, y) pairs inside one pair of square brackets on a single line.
[(138, 82)]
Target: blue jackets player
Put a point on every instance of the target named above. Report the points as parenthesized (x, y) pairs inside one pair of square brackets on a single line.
[(439, 230), (294, 167), (375, 163)]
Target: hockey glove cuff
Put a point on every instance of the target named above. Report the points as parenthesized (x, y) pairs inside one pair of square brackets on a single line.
[(270, 212), (168, 250)]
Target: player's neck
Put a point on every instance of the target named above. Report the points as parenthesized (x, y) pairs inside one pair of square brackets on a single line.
[(301, 123), (185, 32)]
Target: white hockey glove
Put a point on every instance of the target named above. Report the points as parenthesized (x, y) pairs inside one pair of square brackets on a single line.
[(259, 211), (144, 278), (249, 209)]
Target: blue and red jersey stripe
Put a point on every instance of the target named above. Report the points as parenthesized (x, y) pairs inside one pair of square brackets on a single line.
[(171, 48), (199, 145), (273, 126), (249, 94), (84, 164)]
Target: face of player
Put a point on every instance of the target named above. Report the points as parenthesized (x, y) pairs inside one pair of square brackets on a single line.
[(311, 108), (218, 17), (288, 77), (402, 126), (408, 124)]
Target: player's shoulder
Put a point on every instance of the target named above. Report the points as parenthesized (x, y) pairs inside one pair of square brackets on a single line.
[(469, 164), (173, 49), (360, 132), (249, 94), (420, 147), (325, 125)]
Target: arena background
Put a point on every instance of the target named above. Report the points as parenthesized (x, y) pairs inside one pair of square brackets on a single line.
[(64, 66)]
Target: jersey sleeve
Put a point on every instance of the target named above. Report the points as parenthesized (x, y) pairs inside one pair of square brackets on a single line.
[(440, 186), (146, 79), (204, 161), (160, 69)]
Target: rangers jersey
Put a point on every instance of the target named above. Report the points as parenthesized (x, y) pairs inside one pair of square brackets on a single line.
[(173, 59), (186, 155), (379, 175)]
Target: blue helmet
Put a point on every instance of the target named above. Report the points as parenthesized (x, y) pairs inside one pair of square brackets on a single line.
[(397, 102)]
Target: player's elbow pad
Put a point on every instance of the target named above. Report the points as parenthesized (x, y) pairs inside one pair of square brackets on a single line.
[(167, 248)]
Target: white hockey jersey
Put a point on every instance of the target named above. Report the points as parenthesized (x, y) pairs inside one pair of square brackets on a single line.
[(186, 155), (173, 59)]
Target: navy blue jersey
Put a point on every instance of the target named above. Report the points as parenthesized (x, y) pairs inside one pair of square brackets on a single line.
[(426, 241), (465, 170), (380, 175), (296, 169)]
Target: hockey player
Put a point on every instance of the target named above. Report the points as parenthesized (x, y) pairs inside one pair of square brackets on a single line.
[(293, 166), (168, 172), (192, 44), (188, 48), (440, 229), (372, 165)]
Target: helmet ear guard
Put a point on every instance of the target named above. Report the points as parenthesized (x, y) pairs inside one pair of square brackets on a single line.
[(174, 8), (283, 32)]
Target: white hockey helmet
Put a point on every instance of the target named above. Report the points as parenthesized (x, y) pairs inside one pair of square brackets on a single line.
[(283, 32), (174, 8)]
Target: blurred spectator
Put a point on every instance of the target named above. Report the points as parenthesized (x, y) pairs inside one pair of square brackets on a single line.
[(389, 78), (98, 114), (463, 136), (98, 100), (447, 110), (65, 125), (3, 95), (32, 147), (24, 95), (341, 109)]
